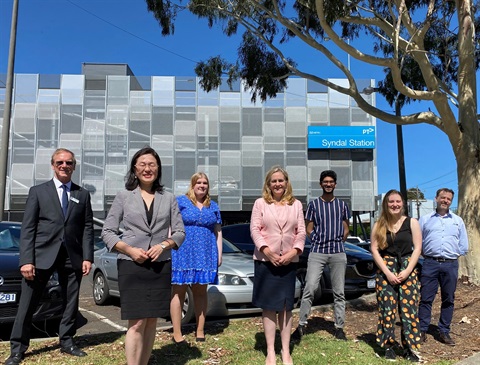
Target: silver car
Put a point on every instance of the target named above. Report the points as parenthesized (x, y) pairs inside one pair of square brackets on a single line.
[(232, 295)]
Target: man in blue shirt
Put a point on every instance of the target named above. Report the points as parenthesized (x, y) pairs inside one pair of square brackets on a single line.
[(327, 226), (444, 240)]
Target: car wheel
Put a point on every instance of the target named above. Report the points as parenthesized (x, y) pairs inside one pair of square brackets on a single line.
[(100, 289), (188, 310)]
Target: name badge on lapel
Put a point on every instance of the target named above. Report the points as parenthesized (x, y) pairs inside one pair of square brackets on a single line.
[(75, 200)]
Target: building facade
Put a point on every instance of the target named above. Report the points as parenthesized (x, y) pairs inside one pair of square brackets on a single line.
[(107, 113)]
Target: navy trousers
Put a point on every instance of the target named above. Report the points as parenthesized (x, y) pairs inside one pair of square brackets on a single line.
[(436, 273)]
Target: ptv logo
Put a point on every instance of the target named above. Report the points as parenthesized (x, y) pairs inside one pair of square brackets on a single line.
[(368, 131)]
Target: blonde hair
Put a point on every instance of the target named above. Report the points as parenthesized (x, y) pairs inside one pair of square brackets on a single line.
[(267, 193), (191, 194), (385, 222)]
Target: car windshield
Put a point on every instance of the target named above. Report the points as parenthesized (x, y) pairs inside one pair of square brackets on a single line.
[(9, 237), (239, 233), (229, 247)]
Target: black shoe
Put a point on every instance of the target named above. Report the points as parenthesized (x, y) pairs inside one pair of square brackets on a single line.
[(340, 335), (180, 343), (390, 354), (446, 339), (73, 350), (423, 337), (411, 356), (299, 332), (14, 359)]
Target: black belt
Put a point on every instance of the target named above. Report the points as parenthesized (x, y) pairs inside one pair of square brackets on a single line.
[(439, 259)]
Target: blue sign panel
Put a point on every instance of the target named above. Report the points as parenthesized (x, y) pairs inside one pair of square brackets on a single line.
[(341, 137)]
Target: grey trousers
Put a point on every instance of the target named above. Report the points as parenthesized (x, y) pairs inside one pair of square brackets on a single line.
[(316, 262)]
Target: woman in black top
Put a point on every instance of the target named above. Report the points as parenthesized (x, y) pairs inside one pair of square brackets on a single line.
[(396, 246)]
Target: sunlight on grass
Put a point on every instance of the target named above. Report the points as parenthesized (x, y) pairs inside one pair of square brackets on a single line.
[(238, 342)]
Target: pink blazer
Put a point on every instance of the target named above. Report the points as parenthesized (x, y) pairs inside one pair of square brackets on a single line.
[(268, 229)]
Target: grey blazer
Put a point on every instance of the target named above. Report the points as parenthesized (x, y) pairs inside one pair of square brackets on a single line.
[(128, 207)]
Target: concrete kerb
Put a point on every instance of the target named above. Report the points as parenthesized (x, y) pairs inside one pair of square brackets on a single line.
[(472, 360)]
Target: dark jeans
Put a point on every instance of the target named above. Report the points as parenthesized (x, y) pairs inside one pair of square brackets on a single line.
[(436, 273)]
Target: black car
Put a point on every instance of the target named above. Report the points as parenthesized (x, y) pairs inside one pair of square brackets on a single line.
[(359, 275), (50, 306)]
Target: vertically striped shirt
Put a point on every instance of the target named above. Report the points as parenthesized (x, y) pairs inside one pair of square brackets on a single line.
[(327, 218)]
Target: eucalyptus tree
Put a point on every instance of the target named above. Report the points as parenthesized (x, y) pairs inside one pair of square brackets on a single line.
[(428, 49)]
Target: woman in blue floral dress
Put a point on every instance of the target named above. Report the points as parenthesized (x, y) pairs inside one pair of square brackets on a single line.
[(196, 261)]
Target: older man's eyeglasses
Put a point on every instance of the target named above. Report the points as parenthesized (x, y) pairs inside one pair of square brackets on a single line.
[(60, 163)]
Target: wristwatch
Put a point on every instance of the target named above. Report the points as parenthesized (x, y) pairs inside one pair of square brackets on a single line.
[(163, 246)]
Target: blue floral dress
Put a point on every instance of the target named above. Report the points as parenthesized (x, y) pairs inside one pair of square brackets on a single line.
[(196, 260)]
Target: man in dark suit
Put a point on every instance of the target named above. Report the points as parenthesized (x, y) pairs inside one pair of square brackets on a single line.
[(57, 234)]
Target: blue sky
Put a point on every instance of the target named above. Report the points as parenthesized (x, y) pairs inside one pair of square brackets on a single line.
[(57, 36)]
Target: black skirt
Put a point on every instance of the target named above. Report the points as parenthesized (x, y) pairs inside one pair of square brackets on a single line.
[(274, 286), (145, 289)]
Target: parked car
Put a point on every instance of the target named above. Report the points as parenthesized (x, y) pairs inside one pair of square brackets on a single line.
[(359, 275), (232, 295), (50, 306), (358, 241)]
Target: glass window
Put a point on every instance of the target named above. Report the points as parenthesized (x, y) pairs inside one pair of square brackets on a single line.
[(118, 90), (252, 124), (72, 89), (295, 95), (25, 88), (339, 116), (163, 91), (71, 119), (162, 120)]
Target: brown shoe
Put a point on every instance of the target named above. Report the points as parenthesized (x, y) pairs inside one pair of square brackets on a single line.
[(446, 339), (423, 337)]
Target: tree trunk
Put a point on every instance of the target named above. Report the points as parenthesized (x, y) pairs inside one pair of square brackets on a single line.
[(468, 206), (467, 150)]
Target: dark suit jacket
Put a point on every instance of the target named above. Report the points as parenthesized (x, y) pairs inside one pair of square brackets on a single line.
[(44, 227)]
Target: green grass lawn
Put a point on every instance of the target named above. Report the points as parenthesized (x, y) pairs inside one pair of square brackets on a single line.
[(238, 342)]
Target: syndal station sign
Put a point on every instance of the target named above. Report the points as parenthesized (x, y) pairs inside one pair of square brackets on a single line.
[(341, 137)]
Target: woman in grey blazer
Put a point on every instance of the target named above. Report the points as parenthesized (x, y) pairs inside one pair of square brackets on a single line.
[(152, 226)]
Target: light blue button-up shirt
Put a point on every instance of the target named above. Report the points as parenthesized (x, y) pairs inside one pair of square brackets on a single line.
[(443, 236)]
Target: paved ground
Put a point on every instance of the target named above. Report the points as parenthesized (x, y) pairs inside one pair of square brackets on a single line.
[(472, 360), (91, 320), (101, 319)]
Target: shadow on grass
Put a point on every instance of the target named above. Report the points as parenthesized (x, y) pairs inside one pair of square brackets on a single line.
[(82, 342), (175, 354)]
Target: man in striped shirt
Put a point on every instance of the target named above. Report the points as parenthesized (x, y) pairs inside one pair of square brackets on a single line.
[(327, 226)]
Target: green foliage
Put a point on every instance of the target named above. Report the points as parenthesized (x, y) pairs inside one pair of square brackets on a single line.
[(268, 24), (414, 194)]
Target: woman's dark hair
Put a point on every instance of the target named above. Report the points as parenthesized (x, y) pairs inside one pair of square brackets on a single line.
[(131, 181)]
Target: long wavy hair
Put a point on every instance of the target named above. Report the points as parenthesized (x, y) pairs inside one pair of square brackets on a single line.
[(131, 181), (191, 194), (386, 221), (267, 192)]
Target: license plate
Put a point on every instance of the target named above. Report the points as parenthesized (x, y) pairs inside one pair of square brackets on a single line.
[(7, 297), (371, 284)]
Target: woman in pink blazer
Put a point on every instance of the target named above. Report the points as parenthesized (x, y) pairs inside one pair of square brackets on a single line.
[(278, 230)]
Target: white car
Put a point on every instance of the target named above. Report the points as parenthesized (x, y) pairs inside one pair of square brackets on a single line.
[(359, 242), (232, 295)]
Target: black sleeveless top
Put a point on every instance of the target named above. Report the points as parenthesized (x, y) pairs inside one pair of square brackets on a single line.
[(149, 212), (400, 244)]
